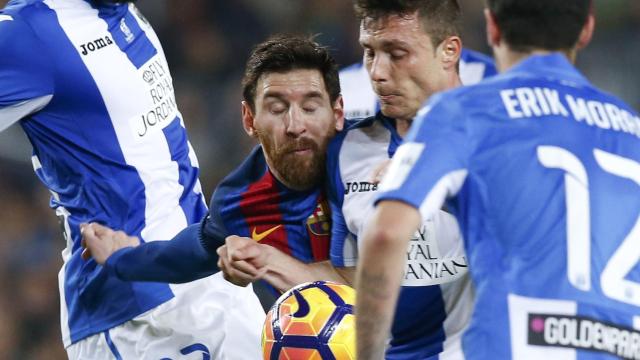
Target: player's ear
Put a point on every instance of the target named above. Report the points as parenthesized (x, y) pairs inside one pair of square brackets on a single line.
[(247, 119), (587, 32), (493, 32), (338, 113), (450, 50)]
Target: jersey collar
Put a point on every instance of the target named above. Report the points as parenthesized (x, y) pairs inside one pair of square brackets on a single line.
[(555, 65), (390, 124)]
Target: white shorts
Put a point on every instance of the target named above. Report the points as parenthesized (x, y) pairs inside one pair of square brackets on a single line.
[(207, 319)]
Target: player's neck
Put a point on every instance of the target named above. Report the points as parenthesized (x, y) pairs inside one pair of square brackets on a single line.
[(402, 126), (507, 58)]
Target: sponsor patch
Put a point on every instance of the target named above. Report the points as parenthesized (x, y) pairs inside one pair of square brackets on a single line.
[(583, 333)]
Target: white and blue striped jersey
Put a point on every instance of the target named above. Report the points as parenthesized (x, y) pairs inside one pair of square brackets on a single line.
[(542, 170), (90, 85), (360, 101), (436, 299)]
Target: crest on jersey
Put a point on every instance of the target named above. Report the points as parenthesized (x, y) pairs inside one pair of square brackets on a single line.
[(319, 223)]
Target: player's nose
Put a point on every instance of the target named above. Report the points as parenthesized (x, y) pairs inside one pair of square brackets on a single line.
[(296, 125), (379, 69)]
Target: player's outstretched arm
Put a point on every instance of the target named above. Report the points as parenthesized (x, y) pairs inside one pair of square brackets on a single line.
[(189, 256), (243, 261), (379, 274)]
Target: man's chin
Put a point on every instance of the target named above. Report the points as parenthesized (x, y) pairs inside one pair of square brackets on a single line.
[(396, 112)]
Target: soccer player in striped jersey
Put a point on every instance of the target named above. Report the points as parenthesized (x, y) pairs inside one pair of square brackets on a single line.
[(292, 105), (89, 84), (360, 101), (542, 170), (411, 50)]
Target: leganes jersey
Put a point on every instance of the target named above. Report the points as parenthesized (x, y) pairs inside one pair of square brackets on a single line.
[(436, 299), (542, 170), (90, 85)]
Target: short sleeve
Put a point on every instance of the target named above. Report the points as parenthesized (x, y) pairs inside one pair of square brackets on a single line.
[(431, 165), (26, 71)]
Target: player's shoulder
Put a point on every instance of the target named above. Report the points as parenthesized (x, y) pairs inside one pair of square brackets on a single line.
[(368, 125), (22, 11), (469, 55), (19, 21), (250, 170)]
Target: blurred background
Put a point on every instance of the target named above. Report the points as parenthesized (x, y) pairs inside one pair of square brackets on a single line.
[(207, 43)]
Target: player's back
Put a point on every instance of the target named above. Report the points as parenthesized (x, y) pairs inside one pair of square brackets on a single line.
[(550, 211), (107, 137)]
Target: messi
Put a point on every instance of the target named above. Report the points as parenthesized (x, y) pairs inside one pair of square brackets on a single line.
[(96, 44)]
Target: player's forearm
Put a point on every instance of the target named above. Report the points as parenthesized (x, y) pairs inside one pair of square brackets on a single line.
[(377, 281), (286, 272), (379, 275), (181, 259)]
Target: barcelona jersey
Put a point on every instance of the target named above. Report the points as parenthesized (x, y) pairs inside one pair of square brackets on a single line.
[(251, 202)]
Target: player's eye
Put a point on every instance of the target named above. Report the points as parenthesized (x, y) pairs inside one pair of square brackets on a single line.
[(309, 109), (398, 54), (369, 54), (277, 109)]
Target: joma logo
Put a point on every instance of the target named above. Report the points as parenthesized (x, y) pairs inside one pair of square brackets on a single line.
[(96, 44)]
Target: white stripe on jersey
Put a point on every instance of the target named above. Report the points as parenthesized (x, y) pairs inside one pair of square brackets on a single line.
[(636, 322), (64, 313), (6, 18), (458, 300), (11, 114), (362, 151), (163, 215)]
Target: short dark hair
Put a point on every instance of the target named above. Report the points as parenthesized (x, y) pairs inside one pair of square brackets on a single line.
[(440, 18), (540, 24), (283, 53)]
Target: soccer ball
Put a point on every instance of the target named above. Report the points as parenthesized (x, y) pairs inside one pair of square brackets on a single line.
[(312, 321)]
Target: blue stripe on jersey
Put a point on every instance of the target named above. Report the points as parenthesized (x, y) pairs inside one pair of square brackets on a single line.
[(417, 331), (190, 202), (127, 34), (95, 302), (112, 346), (335, 193), (23, 77)]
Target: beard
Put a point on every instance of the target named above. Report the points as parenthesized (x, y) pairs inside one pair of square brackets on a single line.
[(299, 172)]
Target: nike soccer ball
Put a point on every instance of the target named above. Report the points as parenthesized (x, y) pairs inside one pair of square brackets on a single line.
[(311, 321)]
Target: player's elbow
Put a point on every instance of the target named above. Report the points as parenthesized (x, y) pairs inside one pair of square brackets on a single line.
[(381, 239)]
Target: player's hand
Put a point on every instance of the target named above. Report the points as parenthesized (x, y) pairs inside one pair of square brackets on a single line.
[(380, 171), (242, 260), (100, 241)]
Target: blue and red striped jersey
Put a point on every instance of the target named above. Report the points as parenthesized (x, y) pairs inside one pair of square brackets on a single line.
[(251, 202)]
